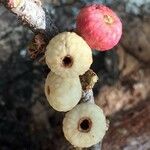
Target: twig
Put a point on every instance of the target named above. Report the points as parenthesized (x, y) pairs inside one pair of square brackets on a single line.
[(32, 15)]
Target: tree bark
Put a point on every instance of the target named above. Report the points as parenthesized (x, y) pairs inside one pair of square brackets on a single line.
[(130, 129)]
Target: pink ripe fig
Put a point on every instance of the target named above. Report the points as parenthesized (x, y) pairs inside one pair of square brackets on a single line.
[(100, 27)]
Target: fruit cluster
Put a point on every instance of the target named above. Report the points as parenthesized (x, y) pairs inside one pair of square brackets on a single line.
[(69, 55)]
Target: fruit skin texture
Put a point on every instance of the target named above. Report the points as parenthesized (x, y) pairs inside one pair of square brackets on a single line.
[(71, 123), (99, 26), (62, 93), (72, 46)]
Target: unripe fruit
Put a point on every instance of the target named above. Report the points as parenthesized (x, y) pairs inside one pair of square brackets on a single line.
[(84, 125), (99, 26), (68, 55), (62, 93)]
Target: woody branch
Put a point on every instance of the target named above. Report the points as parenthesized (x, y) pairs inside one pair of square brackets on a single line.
[(35, 17)]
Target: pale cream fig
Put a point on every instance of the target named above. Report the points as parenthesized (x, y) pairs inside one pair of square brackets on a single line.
[(62, 93), (67, 54), (84, 125)]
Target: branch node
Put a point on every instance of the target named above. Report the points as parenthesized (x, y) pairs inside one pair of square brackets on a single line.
[(88, 80), (37, 46)]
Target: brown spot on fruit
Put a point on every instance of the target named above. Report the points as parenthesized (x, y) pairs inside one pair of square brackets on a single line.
[(48, 90)]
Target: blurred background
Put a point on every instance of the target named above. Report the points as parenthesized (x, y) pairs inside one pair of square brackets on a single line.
[(27, 122)]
